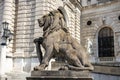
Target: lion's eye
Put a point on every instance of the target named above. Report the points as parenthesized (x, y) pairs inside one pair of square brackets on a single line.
[(44, 16)]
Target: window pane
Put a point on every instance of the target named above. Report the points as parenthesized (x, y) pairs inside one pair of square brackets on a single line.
[(106, 42)]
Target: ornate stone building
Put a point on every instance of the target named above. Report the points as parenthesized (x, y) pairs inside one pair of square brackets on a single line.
[(100, 32), (94, 23), (19, 55), (100, 23)]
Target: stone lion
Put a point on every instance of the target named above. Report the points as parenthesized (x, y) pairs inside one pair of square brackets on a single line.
[(57, 41)]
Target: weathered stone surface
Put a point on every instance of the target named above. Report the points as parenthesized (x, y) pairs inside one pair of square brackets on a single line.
[(107, 70), (60, 75), (73, 52), (59, 78)]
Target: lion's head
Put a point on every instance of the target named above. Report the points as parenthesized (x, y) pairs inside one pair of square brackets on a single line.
[(45, 21), (42, 20), (52, 18), (52, 22)]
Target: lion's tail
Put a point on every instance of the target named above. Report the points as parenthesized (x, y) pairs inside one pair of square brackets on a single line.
[(70, 67)]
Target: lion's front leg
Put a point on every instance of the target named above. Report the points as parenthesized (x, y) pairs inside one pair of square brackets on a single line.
[(48, 55)]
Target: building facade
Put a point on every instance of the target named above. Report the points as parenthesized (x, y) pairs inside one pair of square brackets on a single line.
[(93, 23), (100, 23), (20, 53)]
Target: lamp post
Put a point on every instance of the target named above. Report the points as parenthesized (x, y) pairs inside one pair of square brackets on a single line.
[(6, 35)]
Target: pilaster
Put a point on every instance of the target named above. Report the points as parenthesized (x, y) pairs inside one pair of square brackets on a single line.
[(8, 16)]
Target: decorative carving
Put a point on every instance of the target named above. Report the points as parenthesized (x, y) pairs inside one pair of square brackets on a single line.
[(119, 17), (89, 46), (57, 41), (89, 22)]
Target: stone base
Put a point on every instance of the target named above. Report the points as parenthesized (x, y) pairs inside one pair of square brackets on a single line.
[(60, 75)]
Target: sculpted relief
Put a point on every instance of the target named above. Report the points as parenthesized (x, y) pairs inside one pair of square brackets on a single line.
[(57, 41)]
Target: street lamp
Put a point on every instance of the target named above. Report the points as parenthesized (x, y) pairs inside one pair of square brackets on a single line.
[(6, 33)]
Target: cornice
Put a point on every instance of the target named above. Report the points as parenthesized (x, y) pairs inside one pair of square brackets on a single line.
[(101, 5)]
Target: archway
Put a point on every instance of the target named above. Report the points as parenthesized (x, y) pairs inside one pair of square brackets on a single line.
[(106, 42)]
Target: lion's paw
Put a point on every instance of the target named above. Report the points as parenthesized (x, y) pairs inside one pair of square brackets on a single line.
[(40, 67)]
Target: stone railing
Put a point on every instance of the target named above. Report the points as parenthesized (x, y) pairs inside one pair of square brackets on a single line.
[(112, 64), (107, 59), (110, 70)]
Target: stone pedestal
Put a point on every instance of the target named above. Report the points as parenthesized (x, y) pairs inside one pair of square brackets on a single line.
[(3, 60), (60, 75)]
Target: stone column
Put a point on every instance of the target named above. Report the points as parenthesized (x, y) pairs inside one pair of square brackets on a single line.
[(77, 24), (2, 60)]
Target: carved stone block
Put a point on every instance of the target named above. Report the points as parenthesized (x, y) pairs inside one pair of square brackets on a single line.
[(60, 75)]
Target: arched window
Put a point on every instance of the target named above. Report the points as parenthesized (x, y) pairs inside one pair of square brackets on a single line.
[(106, 42)]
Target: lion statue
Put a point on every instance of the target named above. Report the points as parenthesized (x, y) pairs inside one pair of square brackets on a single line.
[(57, 41)]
